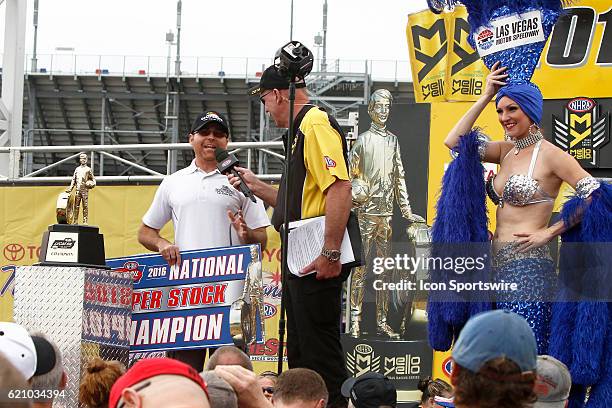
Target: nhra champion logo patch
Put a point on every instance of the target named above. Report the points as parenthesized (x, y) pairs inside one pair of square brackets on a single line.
[(485, 39), (582, 131), (329, 162)]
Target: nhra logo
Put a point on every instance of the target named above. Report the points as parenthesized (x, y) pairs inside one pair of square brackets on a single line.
[(485, 39), (67, 243), (329, 162), (362, 360), (583, 131), (269, 310), (447, 366), (132, 267)]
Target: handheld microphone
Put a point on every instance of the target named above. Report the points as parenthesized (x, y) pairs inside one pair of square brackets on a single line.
[(226, 163)]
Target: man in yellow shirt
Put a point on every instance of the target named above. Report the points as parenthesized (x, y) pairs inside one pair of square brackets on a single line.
[(319, 185)]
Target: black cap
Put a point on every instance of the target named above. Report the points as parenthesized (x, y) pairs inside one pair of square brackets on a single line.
[(370, 390), (271, 79), (45, 355), (209, 116)]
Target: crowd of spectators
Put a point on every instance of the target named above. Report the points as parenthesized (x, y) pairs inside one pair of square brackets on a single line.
[(487, 372)]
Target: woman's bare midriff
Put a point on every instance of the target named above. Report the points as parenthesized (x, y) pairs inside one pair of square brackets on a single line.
[(511, 220)]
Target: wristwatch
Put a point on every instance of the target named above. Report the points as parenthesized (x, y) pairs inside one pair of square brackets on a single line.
[(332, 255)]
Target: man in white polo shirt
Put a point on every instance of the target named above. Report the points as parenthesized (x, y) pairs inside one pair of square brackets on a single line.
[(207, 212)]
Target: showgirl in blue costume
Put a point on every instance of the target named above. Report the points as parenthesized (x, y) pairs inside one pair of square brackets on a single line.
[(528, 181)]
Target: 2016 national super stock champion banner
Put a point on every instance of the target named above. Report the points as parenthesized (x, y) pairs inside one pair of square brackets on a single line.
[(213, 297)]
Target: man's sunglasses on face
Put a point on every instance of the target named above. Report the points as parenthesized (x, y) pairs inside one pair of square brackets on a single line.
[(217, 133), (261, 97)]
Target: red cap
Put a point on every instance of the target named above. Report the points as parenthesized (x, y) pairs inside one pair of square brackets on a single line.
[(152, 367)]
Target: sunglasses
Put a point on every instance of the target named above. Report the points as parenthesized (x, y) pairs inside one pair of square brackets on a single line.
[(261, 97), (136, 389), (269, 390)]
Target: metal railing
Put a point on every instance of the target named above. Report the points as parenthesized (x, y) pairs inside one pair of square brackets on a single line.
[(265, 148), (216, 67)]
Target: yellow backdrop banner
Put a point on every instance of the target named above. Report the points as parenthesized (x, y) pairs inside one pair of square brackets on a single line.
[(465, 71), (28, 211), (576, 60), (428, 48)]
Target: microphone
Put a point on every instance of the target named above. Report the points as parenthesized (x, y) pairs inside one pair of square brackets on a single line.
[(226, 163)]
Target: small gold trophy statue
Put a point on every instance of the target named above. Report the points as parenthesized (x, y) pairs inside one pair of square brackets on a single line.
[(68, 204), (247, 310), (68, 242)]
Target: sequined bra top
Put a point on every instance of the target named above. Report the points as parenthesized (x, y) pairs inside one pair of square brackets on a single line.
[(520, 189)]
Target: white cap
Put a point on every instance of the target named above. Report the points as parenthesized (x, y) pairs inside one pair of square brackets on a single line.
[(553, 383), (17, 346)]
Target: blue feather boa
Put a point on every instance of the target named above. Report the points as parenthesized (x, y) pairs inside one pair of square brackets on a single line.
[(461, 217), (581, 332)]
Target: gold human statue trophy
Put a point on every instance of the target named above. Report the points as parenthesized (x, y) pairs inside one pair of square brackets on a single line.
[(377, 178), (243, 316), (68, 203)]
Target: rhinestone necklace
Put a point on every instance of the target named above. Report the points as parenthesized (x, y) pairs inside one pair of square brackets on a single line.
[(528, 140)]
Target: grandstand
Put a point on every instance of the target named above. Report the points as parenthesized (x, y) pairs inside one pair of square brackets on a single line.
[(78, 100)]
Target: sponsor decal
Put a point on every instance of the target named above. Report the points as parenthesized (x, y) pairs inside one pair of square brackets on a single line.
[(134, 268), (224, 190), (582, 131), (267, 351), (329, 162), (269, 310), (509, 32), (447, 366), (361, 360), (14, 252), (485, 39), (66, 243), (63, 247), (212, 116)]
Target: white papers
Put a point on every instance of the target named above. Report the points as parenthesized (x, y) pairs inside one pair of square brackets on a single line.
[(306, 239)]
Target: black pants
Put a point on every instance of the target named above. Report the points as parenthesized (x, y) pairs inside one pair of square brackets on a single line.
[(313, 331)]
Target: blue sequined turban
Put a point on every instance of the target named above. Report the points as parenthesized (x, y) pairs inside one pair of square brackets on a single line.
[(527, 96)]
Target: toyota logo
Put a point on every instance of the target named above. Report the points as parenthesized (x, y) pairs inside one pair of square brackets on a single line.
[(14, 252)]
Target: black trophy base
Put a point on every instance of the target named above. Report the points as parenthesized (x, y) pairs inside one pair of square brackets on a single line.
[(73, 245)]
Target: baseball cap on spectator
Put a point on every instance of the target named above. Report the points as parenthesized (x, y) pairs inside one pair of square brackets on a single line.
[(45, 355), (207, 117), (18, 347), (272, 79), (493, 334), (220, 393), (553, 383), (152, 367), (370, 390)]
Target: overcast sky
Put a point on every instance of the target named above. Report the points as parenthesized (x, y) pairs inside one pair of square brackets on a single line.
[(357, 29)]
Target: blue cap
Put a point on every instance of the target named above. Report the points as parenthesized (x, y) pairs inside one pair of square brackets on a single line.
[(493, 334)]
